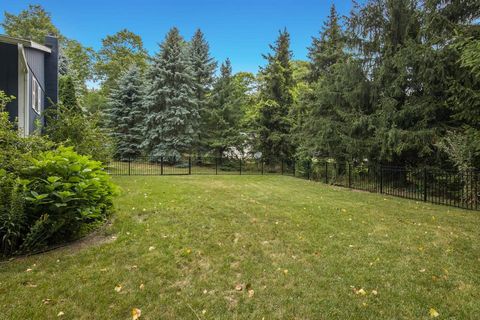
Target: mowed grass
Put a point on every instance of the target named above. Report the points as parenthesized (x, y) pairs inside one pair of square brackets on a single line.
[(183, 247)]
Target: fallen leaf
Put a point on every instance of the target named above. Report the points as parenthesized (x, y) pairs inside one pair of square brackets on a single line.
[(374, 292), (142, 286), (47, 301), (136, 313), (238, 287), (60, 314), (204, 311), (251, 293), (118, 288), (205, 291), (285, 271), (422, 270), (29, 270), (151, 248), (433, 313), (361, 292)]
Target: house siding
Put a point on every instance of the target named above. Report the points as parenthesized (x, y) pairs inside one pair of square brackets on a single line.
[(9, 76), (36, 63)]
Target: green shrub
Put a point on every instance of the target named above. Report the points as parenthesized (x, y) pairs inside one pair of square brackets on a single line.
[(12, 214), (15, 151), (65, 191), (79, 130)]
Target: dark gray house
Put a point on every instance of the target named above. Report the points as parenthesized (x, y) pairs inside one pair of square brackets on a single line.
[(29, 71)]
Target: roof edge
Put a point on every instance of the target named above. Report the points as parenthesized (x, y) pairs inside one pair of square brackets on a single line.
[(25, 43)]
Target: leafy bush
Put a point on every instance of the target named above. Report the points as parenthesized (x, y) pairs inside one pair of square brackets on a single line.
[(56, 197), (81, 131), (12, 214), (65, 192), (46, 196), (14, 149)]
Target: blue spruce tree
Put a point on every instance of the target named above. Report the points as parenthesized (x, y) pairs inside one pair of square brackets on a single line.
[(126, 114), (172, 119)]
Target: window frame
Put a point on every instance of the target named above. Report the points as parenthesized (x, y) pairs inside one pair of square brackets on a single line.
[(36, 96)]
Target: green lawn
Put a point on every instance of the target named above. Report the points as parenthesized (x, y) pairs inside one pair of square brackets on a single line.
[(182, 247)]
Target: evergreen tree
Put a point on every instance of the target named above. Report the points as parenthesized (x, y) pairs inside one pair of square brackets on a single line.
[(328, 48), (172, 116), (226, 111), (276, 99), (126, 113), (67, 93), (203, 67)]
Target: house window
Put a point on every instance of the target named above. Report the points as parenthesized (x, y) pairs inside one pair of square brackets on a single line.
[(36, 96)]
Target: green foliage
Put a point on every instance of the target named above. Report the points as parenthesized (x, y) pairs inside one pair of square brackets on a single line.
[(33, 23), (14, 149), (328, 48), (273, 124), (203, 68), (80, 131), (77, 62), (12, 213), (126, 114), (226, 111), (117, 54), (67, 93), (172, 115), (63, 192)]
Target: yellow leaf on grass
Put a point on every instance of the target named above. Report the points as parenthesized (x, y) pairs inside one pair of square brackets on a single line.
[(361, 292), (60, 314), (136, 313), (251, 293), (118, 288), (142, 286), (433, 313)]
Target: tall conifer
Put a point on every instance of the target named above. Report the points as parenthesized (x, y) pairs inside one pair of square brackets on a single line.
[(172, 120), (126, 113)]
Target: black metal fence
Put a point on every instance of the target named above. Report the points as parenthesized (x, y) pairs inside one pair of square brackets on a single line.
[(198, 166), (453, 188)]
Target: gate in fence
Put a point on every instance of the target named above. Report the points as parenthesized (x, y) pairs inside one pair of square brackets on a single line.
[(453, 188)]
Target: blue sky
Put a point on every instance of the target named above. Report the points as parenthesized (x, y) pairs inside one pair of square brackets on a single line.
[(238, 29)]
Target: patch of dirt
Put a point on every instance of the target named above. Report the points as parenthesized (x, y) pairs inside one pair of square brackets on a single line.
[(96, 238)]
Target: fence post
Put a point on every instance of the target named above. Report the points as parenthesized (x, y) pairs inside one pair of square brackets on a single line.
[(381, 179), (161, 166), (189, 164), (425, 184), (309, 167), (349, 175), (216, 166), (326, 172), (129, 165), (240, 166)]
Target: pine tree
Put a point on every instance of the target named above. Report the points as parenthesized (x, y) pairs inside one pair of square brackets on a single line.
[(225, 111), (67, 93), (126, 113), (276, 99), (172, 119), (203, 67), (328, 48)]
